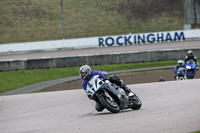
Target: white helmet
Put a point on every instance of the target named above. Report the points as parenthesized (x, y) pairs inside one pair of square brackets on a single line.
[(180, 62), (85, 72)]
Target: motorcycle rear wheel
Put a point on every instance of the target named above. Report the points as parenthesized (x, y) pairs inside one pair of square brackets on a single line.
[(136, 103)]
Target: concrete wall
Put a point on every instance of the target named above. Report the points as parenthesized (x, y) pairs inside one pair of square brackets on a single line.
[(121, 58)]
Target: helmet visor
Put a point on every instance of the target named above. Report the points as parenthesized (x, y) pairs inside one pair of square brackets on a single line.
[(83, 74)]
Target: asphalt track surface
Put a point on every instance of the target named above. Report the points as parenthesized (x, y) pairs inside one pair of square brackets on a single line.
[(168, 107), (104, 50)]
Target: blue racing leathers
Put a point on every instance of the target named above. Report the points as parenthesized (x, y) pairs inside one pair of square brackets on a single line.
[(93, 73)]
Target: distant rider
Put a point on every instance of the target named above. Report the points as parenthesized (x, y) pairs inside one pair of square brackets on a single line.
[(179, 65), (190, 56), (86, 73)]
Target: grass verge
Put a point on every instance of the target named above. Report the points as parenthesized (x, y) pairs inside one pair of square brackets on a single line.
[(196, 132), (16, 79), (40, 20)]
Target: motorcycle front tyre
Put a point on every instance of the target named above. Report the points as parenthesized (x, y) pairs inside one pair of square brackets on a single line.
[(108, 106)]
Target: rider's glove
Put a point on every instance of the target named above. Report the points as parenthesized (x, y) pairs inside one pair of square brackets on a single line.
[(105, 77)]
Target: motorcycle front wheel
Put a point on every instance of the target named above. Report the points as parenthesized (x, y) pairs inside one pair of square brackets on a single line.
[(190, 74), (109, 103)]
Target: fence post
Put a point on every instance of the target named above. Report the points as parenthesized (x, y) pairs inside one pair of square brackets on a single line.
[(62, 19), (129, 17), (195, 15)]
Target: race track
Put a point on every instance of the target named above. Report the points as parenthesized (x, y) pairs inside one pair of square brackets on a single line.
[(168, 107), (105, 50)]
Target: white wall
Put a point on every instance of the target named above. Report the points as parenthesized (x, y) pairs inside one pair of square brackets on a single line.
[(101, 41)]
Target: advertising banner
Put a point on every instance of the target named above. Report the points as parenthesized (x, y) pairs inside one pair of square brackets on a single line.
[(107, 41)]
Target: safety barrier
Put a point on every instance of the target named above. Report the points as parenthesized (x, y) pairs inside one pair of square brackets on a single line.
[(98, 59)]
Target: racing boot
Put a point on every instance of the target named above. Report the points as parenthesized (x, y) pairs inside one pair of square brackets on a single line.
[(99, 107), (126, 89), (175, 77), (129, 93), (114, 79)]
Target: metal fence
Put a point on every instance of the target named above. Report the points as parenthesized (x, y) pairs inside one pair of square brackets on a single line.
[(39, 20)]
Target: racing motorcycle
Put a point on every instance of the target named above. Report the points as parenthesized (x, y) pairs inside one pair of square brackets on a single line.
[(111, 96), (180, 75), (190, 69)]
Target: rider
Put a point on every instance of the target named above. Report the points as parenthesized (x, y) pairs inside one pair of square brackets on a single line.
[(179, 65), (86, 73), (190, 56)]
